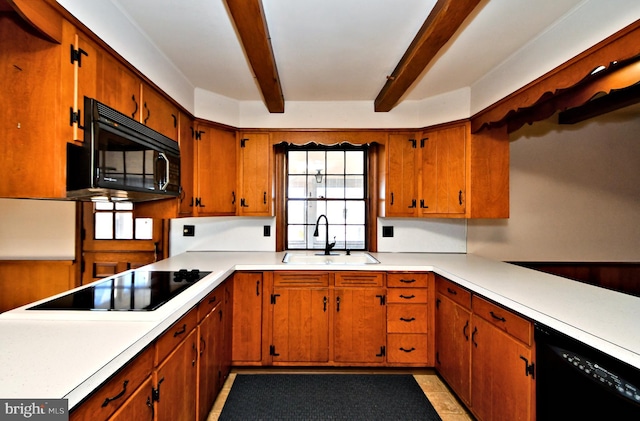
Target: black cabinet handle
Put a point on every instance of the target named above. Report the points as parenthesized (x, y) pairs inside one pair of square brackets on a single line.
[(407, 281), (257, 288), (391, 198), (496, 317), (337, 303), (407, 350), (460, 197), (118, 396), (473, 337), (233, 197), (148, 113), (264, 198), (324, 304), (465, 330), (452, 291), (181, 331), (407, 297), (407, 320), (135, 111)]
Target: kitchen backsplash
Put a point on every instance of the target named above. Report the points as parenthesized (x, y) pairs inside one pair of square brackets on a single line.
[(248, 234)]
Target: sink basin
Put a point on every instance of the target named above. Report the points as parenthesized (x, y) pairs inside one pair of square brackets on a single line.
[(359, 258)]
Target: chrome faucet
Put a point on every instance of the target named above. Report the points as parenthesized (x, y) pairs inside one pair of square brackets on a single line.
[(327, 246)]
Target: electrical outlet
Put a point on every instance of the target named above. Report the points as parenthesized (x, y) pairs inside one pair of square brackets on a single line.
[(189, 230), (267, 230), (387, 231)]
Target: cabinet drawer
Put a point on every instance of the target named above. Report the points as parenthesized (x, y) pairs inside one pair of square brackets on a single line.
[(406, 318), (209, 302), (407, 348), (454, 291), (107, 399), (408, 279), (503, 319), (407, 295), (300, 279), (175, 334), (359, 279)]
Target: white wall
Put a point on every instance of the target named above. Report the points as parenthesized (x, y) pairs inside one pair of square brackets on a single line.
[(575, 195), (37, 230)]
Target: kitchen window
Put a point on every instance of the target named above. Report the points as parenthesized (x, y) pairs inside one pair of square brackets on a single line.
[(330, 181), (115, 221)]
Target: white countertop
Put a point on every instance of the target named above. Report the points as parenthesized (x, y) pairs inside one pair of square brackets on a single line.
[(67, 354)]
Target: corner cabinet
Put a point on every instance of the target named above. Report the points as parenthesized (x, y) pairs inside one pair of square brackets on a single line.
[(485, 353), (255, 156)]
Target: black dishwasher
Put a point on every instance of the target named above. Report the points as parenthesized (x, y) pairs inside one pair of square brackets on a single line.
[(575, 381)]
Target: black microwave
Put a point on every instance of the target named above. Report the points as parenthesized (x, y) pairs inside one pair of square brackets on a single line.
[(121, 159)]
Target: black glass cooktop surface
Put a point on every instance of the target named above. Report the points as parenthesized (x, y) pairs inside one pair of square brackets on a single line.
[(131, 291)]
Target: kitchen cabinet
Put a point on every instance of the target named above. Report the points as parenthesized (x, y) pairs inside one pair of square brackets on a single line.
[(215, 171), (301, 309), (158, 112), (248, 294), (118, 86), (453, 333), (35, 121), (426, 173), (485, 354), (210, 350), (255, 157), (410, 329), (359, 331), (502, 384)]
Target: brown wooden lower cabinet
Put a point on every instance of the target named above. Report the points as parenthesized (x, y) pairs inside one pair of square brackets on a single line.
[(175, 378), (485, 353)]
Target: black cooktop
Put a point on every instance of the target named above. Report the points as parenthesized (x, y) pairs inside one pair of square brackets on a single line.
[(130, 291)]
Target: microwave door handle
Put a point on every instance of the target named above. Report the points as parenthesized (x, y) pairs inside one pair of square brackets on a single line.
[(166, 180)]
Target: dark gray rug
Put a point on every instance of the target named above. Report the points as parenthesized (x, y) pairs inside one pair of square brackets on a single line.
[(302, 397)]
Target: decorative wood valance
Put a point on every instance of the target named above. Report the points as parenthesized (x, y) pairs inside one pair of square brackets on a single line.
[(329, 138), (571, 84)]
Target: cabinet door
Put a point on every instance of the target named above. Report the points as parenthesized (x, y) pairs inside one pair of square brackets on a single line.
[(188, 165), (119, 87), (402, 177), (255, 174), (443, 171), (216, 171), (176, 381), (300, 325), (138, 407), (247, 317), (209, 363), (159, 113), (359, 325), (501, 388), (453, 352)]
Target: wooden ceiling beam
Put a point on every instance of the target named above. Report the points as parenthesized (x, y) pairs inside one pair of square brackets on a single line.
[(251, 25), (441, 24)]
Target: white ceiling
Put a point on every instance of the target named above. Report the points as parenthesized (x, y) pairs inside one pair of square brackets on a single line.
[(337, 50)]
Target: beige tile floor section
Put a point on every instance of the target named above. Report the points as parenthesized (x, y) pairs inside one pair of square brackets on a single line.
[(447, 406)]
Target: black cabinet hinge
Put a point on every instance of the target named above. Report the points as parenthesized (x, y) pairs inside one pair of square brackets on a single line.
[(413, 143), (75, 117), (76, 55), (437, 303), (424, 139), (383, 351), (274, 297), (243, 142), (155, 393), (382, 298), (198, 134), (272, 351)]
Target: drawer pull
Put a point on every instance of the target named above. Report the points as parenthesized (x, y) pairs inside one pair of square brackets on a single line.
[(407, 297), (407, 281), (452, 291), (498, 318), (465, 330), (181, 331), (212, 300), (118, 396), (407, 320), (407, 350)]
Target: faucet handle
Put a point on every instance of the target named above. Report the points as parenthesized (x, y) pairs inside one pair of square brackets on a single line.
[(332, 245)]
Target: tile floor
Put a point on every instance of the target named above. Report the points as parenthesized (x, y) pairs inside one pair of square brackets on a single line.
[(447, 406)]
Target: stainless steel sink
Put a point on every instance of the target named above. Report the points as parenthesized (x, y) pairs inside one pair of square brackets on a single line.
[(309, 258)]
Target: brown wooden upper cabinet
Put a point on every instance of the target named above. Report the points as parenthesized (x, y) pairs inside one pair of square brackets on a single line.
[(118, 86), (158, 112), (426, 173), (255, 174)]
